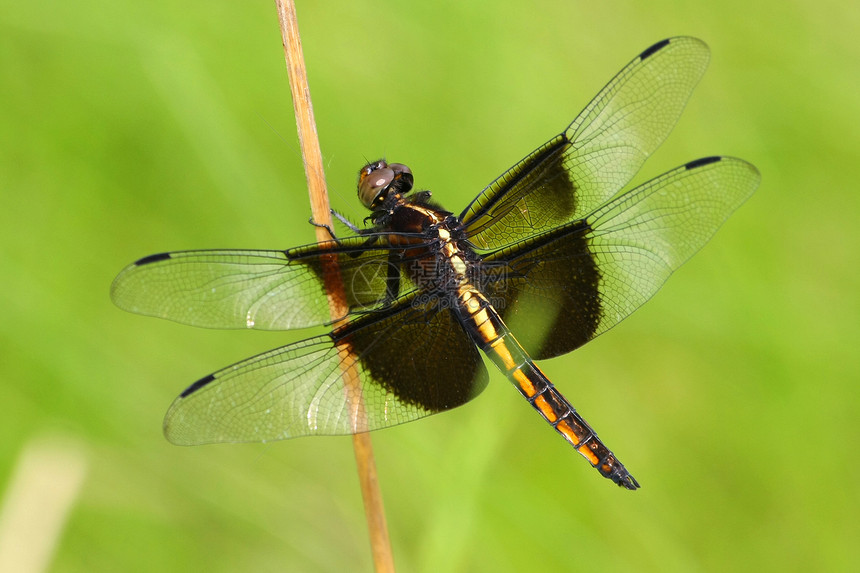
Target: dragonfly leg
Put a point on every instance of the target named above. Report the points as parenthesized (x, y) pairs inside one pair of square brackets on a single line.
[(346, 222), (323, 226)]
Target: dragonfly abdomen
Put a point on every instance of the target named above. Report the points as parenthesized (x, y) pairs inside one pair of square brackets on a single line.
[(499, 344)]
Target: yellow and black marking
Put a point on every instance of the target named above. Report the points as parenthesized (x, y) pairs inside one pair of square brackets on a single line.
[(488, 331), (504, 350), (485, 326)]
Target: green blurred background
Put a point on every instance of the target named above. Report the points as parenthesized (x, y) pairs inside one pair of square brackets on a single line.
[(129, 128)]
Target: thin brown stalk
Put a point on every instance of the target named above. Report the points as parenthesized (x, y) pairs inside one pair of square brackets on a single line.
[(312, 158)]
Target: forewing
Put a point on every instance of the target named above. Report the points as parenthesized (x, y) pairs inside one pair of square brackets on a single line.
[(559, 290), (266, 290), (597, 155), (410, 361)]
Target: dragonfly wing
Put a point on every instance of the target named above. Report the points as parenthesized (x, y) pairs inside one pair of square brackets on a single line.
[(597, 155), (409, 361), (265, 290), (561, 289)]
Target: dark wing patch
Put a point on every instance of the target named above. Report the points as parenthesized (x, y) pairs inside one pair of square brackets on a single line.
[(548, 294), (421, 355)]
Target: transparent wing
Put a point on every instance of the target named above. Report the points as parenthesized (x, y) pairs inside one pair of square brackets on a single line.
[(266, 290), (410, 361), (597, 155), (563, 288)]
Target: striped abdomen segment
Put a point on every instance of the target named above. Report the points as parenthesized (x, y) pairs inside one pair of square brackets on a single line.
[(499, 344)]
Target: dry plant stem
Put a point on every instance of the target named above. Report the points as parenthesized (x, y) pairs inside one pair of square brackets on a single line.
[(312, 157)]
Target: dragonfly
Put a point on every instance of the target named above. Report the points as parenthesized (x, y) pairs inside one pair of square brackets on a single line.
[(550, 255)]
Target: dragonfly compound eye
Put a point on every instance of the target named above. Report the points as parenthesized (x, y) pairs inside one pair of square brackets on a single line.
[(376, 179)]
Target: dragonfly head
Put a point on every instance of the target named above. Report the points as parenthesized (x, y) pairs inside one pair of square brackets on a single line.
[(378, 179)]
